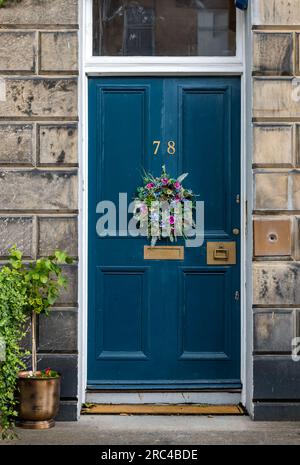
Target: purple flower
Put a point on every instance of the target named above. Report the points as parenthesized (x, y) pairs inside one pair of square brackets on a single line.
[(172, 219), (177, 185), (143, 208), (165, 181), (150, 185)]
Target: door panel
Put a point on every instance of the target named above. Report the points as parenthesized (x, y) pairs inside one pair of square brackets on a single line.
[(128, 340), (160, 323), (204, 334), (201, 121)]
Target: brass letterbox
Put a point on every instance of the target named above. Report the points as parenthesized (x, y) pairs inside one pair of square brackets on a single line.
[(164, 252)]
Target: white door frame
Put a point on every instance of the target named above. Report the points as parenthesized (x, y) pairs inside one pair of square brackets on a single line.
[(178, 66)]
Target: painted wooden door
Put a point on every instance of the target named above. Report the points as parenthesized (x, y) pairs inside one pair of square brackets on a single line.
[(160, 323)]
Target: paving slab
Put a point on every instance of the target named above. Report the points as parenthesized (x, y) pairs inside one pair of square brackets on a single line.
[(162, 430)]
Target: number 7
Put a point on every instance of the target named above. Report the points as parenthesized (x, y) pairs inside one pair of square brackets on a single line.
[(157, 143)]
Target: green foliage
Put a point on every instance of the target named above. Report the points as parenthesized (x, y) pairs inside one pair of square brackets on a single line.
[(24, 290), (42, 279), (13, 302), (6, 2)]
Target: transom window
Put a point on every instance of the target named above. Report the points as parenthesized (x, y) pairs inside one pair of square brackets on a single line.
[(164, 28)]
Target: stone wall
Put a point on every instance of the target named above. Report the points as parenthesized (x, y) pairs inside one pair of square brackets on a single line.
[(38, 181), (38, 159), (276, 167)]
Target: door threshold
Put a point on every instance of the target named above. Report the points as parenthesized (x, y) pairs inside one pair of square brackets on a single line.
[(127, 409), (232, 397)]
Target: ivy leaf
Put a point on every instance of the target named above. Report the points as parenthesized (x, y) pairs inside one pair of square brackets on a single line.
[(48, 264), (51, 299), (16, 264), (61, 281), (60, 256)]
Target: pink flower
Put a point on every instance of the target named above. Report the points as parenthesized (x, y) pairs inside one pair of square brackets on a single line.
[(150, 185), (177, 185), (143, 208), (165, 181), (172, 219)]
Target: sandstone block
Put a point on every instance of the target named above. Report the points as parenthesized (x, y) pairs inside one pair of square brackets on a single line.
[(38, 190), (18, 231), (273, 330), (276, 98), (275, 12), (276, 283), (273, 144), (39, 97), (59, 51), (68, 296), (271, 191), (36, 12), (273, 53), (57, 233), (17, 51), (58, 144), (16, 144)]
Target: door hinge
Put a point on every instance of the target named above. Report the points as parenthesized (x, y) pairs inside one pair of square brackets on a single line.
[(237, 295)]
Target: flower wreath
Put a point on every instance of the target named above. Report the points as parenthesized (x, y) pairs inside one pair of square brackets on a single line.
[(163, 207)]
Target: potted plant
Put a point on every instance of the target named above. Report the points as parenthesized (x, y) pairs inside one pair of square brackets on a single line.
[(39, 390)]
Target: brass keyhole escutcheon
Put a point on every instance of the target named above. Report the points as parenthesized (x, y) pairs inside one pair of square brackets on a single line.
[(235, 231)]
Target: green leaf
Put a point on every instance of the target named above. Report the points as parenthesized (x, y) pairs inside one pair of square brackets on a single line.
[(62, 281), (60, 256)]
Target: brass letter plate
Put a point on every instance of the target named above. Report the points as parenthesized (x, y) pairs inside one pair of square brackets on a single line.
[(221, 253), (164, 252)]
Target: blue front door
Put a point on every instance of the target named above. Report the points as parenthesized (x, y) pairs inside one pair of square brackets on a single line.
[(164, 323)]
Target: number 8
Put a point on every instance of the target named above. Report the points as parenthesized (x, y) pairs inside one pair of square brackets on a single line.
[(171, 147)]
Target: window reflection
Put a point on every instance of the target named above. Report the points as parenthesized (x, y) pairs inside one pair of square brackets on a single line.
[(164, 27)]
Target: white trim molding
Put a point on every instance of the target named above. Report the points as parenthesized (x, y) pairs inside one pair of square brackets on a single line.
[(108, 65), (148, 66)]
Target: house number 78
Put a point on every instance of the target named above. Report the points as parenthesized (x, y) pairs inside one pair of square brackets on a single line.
[(171, 147)]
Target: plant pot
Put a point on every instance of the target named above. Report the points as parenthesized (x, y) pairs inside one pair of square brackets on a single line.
[(38, 402)]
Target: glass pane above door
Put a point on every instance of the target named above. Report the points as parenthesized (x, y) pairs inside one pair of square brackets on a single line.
[(164, 28)]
